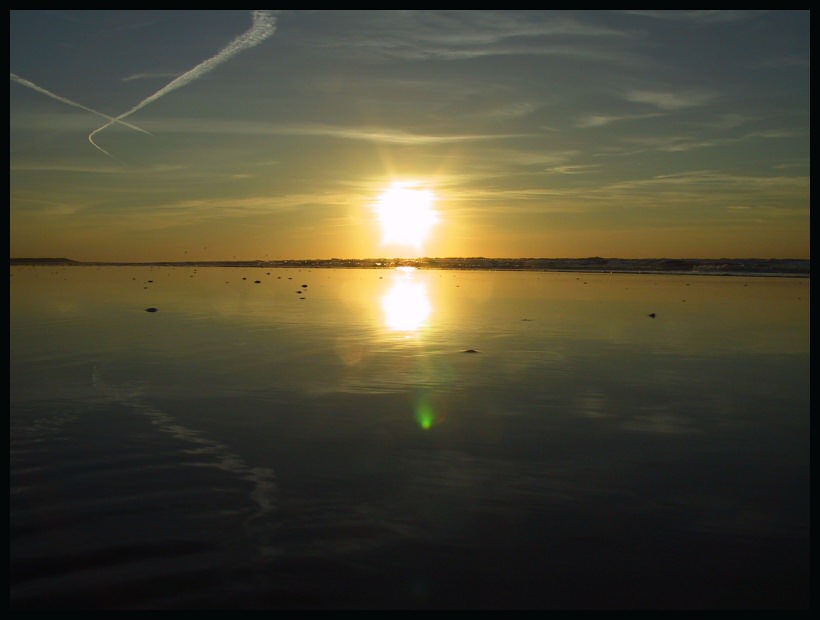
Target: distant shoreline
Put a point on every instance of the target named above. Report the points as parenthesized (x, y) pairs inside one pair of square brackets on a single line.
[(693, 266)]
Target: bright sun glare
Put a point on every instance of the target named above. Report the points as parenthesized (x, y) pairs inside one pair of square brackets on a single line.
[(406, 305), (406, 214)]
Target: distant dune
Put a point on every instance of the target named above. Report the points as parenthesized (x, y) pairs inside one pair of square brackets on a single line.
[(716, 266)]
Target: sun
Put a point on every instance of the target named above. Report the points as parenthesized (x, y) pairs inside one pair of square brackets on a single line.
[(406, 214)]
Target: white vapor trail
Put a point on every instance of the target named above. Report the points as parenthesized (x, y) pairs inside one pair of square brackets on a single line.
[(263, 27), (39, 89)]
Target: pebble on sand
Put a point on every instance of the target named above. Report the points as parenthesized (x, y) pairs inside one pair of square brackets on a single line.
[(151, 310), (471, 351), (651, 315)]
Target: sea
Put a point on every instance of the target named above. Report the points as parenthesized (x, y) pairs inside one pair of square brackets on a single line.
[(286, 438)]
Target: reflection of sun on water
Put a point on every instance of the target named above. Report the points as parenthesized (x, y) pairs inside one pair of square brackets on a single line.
[(406, 214), (406, 305), (406, 309)]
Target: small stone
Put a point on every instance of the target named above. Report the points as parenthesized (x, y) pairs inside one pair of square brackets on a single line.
[(151, 310), (651, 315)]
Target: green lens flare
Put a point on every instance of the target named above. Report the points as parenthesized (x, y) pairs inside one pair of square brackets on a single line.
[(425, 416)]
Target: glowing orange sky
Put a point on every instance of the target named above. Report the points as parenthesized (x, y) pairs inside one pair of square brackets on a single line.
[(546, 133)]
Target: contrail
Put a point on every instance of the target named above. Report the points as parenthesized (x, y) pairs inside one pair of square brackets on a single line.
[(39, 89), (264, 25)]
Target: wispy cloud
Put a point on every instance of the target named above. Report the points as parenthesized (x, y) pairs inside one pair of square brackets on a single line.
[(786, 61), (601, 120), (158, 215), (714, 180), (462, 35), (706, 16), (682, 143), (669, 101), (263, 27), (48, 93), (86, 169), (579, 169), (380, 134), (371, 133), (147, 76)]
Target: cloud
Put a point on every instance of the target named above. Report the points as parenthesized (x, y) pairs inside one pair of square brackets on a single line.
[(715, 181), (600, 120), (40, 89), (263, 27), (710, 16), (579, 169), (378, 134), (668, 101), (464, 35), (147, 76)]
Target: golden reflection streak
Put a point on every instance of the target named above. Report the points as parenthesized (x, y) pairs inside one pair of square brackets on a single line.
[(406, 305), (406, 309)]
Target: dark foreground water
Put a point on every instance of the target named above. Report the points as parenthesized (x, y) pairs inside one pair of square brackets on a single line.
[(399, 439)]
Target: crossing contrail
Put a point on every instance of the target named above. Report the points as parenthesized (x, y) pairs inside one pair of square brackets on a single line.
[(263, 27), (40, 89)]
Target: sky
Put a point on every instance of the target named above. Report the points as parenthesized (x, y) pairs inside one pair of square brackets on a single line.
[(268, 135)]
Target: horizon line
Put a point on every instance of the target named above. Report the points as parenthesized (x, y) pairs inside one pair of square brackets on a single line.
[(404, 258)]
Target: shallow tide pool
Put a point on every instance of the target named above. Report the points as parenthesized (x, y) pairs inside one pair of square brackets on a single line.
[(400, 439)]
